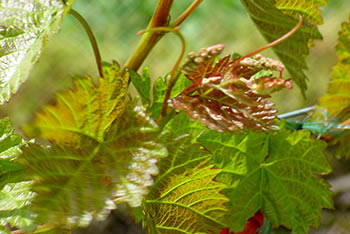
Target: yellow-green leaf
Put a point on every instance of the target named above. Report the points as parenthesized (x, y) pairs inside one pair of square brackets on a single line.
[(103, 148), (337, 97), (185, 197)]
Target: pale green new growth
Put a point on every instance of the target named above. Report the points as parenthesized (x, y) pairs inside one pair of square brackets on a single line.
[(25, 27), (276, 18), (103, 148), (276, 173), (15, 195), (185, 197)]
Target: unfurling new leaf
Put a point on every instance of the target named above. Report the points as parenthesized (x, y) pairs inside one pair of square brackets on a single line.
[(25, 27), (103, 147), (231, 96), (276, 173)]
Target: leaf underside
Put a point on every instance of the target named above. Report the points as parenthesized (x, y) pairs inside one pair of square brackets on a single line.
[(25, 26), (275, 173), (102, 147), (185, 198), (276, 18)]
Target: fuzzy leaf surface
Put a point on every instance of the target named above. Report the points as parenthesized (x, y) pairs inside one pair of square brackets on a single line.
[(103, 148), (185, 197), (276, 173), (225, 96), (25, 27), (274, 18), (15, 194)]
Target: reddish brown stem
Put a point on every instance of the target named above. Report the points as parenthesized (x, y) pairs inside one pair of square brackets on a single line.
[(179, 20), (276, 42), (149, 40)]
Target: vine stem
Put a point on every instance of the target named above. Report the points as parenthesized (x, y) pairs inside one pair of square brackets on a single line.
[(173, 75), (276, 42), (92, 39), (150, 39), (179, 20)]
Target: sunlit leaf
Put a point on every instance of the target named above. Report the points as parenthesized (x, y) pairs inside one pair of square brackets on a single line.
[(103, 148), (276, 173), (185, 197), (274, 18), (25, 27), (15, 195)]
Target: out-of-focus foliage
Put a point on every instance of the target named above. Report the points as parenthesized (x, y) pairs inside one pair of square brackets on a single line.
[(116, 23)]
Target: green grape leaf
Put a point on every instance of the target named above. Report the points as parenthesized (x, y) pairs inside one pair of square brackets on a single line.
[(337, 97), (185, 197), (276, 173), (103, 148), (25, 27), (274, 18), (15, 195), (142, 84), (159, 90), (181, 124)]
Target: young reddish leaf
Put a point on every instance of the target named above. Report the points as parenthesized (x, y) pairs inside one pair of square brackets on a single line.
[(231, 96), (103, 148)]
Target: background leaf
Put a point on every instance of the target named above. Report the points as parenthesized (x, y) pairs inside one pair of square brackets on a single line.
[(337, 97), (142, 84), (25, 26), (276, 173), (185, 198), (103, 148), (276, 18)]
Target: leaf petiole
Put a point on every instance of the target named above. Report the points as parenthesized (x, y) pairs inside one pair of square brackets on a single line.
[(92, 39)]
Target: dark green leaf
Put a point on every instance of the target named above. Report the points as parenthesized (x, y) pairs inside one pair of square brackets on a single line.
[(277, 173)]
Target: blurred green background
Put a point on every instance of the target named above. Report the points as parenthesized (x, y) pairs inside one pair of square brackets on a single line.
[(115, 24)]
